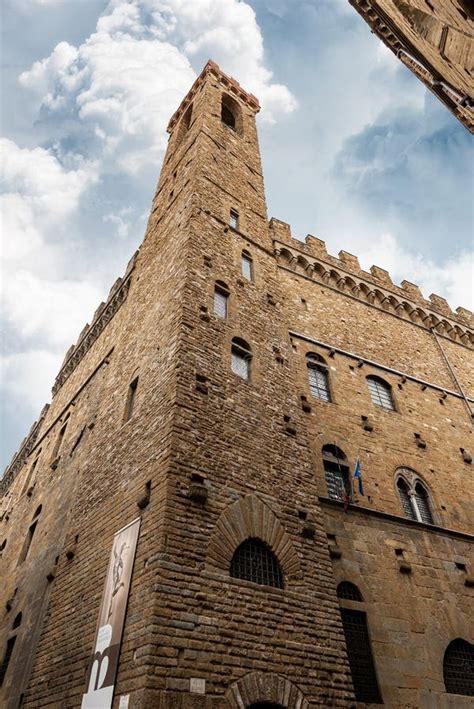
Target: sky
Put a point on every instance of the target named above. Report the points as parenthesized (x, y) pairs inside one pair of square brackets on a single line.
[(354, 149)]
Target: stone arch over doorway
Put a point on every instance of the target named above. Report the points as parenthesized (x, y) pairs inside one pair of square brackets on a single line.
[(260, 689)]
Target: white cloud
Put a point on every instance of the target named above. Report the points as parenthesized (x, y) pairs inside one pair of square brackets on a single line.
[(452, 280)]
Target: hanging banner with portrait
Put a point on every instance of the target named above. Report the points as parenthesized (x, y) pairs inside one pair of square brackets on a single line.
[(104, 661)]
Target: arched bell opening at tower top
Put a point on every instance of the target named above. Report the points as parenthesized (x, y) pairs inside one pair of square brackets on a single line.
[(231, 113)]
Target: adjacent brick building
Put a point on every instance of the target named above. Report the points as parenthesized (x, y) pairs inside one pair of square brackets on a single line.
[(433, 38), (222, 396)]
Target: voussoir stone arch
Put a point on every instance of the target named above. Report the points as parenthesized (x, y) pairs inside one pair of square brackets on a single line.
[(247, 518), (258, 687)]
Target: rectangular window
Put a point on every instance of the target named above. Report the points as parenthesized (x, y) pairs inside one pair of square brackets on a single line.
[(132, 391), (240, 364), (234, 219), (247, 267)]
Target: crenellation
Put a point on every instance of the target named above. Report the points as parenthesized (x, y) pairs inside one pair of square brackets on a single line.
[(350, 261), (380, 274)]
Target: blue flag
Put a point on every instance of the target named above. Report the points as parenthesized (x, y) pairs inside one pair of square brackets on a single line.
[(358, 475)]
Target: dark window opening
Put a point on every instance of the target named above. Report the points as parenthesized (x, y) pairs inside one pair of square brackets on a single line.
[(28, 540), (231, 113), (59, 442), (6, 658), (336, 470), (254, 561), (458, 668), (318, 377), (360, 657), (17, 621), (349, 591), (132, 391)]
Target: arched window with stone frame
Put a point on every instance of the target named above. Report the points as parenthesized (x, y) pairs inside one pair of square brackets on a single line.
[(318, 376), (414, 496), (336, 471), (255, 561)]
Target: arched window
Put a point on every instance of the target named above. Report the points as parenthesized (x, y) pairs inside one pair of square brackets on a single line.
[(247, 265), (231, 113), (318, 377), (254, 561), (241, 357), (458, 668), (336, 470), (414, 496), (381, 393), (349, 591), (221, 299)]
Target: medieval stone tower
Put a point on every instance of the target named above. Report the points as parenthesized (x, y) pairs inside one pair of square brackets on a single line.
[(182, 528)]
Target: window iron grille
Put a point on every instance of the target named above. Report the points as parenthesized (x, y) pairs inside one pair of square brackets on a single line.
[(318, 382), (405, 499), (234, 219), (458, 668), (381, 393), (247, 267), (254, 561), (348, 591), (423, 505), (360, 657), (220, 303)]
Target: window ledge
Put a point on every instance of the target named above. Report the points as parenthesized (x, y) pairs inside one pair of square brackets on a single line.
[(398, 519)]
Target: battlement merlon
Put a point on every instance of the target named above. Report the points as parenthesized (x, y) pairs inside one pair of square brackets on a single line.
[(228, 83), (315, 248)]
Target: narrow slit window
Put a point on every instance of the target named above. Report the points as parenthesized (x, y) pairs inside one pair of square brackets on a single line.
[(28, 541), (59, 442), (247, 265), (6, 658), (241, 357), (234, 219), (221, 300), (132, 393)]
